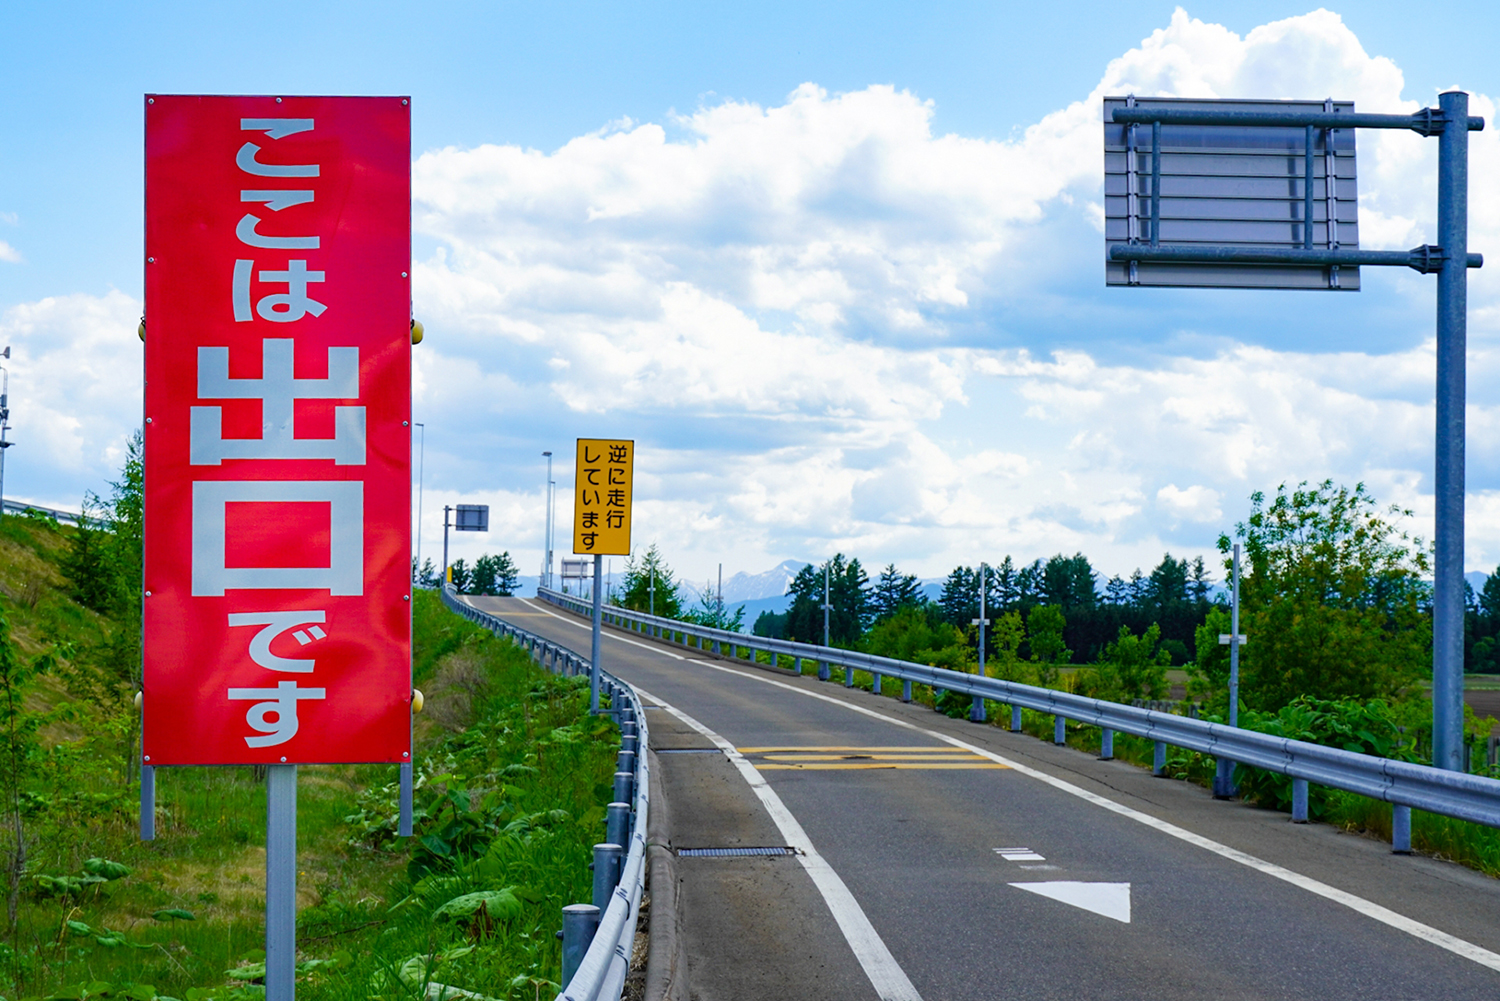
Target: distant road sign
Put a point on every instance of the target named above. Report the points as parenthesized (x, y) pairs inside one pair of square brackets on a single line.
[(1233, 186), (577, 569), (601, 507), (277, 407), (472, 518)]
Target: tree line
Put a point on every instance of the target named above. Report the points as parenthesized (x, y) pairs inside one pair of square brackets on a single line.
[(1335, 596), (490, 574)]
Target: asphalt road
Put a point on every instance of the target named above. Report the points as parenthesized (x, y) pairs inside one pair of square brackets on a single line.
[(1112, 884)]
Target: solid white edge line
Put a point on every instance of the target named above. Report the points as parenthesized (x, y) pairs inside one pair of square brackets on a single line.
[(588, 627), (1370, 909), (886, 975)]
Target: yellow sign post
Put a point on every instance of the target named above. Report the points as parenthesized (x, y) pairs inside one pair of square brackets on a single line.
[(605, 476), (601, 504)]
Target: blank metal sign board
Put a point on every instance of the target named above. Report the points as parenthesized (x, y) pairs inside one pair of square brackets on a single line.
[(1234, 186), (472, 518)]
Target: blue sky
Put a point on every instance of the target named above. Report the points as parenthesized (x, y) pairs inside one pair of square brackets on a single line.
[(929, 369)]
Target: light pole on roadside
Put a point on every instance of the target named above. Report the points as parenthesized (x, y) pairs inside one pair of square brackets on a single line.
[(827, 605), (1234, 639), (547, 538), (4, 423), (976, 711)]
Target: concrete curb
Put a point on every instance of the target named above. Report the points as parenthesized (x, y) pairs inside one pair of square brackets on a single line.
[(666, 956)]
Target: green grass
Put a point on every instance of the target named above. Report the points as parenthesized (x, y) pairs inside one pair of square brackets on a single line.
[(513, 778)]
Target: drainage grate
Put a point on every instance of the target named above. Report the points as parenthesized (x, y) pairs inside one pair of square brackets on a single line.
[(732, 852)]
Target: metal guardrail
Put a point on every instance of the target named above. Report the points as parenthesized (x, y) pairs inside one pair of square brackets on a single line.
[(1401, 783), (600, 975), (18, 507)]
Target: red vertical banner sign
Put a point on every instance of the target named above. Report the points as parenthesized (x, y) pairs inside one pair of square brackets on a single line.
[(277, 430)]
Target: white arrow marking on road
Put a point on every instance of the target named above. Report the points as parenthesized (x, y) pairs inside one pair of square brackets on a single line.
[(1112, 900)]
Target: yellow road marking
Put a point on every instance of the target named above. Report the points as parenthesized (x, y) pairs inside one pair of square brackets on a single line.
[(977, 763), (907, 748), (783, 756)]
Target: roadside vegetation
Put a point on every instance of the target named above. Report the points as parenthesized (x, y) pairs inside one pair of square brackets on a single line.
[(512, 778)]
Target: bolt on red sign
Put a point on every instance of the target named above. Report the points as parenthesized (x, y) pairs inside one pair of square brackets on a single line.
[(278, 439)]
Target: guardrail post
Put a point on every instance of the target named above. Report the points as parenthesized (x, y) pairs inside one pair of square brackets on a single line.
[(906, 690), (580, 922), (823, 672), (624, 786), (848, 676), (1106, 743), (1223, 779), (1400, 829), (797, 665), (617, 823), (1015, 719), (1159, 759), (976, 710), (1059, 730), (1299, 801), (625, 762), (606, 872)]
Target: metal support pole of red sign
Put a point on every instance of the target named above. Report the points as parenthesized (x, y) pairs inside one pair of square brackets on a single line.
[(594, 648), (281, 882), (148, 803)]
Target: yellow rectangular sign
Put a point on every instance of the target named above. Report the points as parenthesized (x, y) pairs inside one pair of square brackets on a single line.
[(601, 502)]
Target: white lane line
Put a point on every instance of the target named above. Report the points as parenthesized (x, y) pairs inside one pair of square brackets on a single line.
[(603, 634), (886, 975), (1368, 908)]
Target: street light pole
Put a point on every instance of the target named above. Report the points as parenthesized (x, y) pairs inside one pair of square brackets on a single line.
[(547, 538), (4, 423), (976, 711), (446, 509), (1234, 639), (827, 605)]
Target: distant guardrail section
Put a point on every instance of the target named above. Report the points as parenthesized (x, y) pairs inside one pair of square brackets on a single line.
[(19, 507), (598, 937), (1403, 784)]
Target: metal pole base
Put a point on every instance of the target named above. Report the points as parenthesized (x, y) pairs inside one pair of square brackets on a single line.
[(580, 922), (281, 882), (1401, 830), (148, 802), (607, 860), (1224, 779), (1299, 801)]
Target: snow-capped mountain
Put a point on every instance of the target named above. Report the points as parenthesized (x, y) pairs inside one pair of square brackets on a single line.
[(742, 586)]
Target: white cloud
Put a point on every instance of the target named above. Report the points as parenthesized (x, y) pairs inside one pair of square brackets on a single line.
[(75, 394), (769, 298), (9, 254), (1196, 503)]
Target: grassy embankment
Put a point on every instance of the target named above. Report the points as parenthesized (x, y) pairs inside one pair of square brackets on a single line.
[(513, 776), (1473, 845)]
